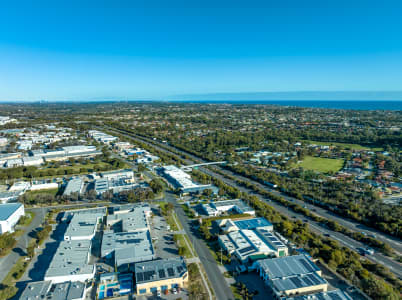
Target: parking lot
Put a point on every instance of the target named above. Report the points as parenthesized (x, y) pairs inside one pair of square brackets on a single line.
[(164, 245)]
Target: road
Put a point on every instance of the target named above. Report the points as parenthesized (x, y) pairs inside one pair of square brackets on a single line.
[(216, 278), (393, 265), (7, 262)]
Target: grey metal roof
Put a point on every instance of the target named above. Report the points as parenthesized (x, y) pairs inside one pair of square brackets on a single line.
[(6, 210), (61, 291), (160, 269), (83, 224), (270, 238), (128, 246), (238, 203), (73, 186), (329, 295), (67, 291), (36, 290), (297, 282), (287, 266), (71, 258), (252, 223)]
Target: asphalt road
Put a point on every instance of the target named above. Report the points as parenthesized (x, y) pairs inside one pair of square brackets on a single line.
[(7, 262), (219, 284), (393, 265)]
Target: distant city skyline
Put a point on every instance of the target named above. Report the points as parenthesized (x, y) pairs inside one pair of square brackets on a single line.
[(158, 50)]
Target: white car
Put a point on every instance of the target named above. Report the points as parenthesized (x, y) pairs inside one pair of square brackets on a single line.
[(174, 290)]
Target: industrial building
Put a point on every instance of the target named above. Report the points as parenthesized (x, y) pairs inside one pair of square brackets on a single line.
[(70, 262), (291, 275), (229, 225), (82, 226), (248, 245), (114, 285), (59, 291), (127, 247), (181, 180), (160, 275), (136, 219), (236, 206), (32, 161), (329, 295), (102, 137), (115, 181), (75, 185), (8, 196), (10, 213)]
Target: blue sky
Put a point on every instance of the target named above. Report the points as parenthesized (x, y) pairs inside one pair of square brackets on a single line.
[(72, 50)]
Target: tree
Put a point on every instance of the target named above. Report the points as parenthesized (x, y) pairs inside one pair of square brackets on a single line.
[(31, 250)]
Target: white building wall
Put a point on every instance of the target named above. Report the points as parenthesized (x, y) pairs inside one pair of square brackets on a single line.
[(8, 225)]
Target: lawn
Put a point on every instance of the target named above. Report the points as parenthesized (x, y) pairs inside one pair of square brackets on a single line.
[(346, 146), (323, 165)]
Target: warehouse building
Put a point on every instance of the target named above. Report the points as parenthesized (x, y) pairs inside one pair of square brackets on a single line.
[(8, 196), (291, 275), (83, 226), (228, 225), (160, 275), (125, 173), (10, 213), (70, 262), (236, 206), (127, 248), (182, 181), (329, 295), (60, 291), (75, 185), (134, 220), (248, 245), (32, 161)]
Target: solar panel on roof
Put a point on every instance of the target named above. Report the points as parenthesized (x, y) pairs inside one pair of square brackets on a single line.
[(180, 269), (308, 281), (334, 296), (320, 297), (140, 277), (306, 265), (162, 273), (314, 279), (148, 275), (296, 281), (247, 249), (170, 272)]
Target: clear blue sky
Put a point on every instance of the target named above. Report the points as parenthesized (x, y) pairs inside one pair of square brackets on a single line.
[(152, 49)]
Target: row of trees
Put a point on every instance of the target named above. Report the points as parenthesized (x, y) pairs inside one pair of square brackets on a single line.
[(362, 273)]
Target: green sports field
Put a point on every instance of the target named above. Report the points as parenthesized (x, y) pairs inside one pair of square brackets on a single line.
[(323, 165)]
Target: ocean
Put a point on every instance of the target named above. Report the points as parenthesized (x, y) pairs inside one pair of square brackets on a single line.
[(340, 104)]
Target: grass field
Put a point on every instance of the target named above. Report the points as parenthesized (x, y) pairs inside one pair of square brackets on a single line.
[(346, 146), (323, 165)]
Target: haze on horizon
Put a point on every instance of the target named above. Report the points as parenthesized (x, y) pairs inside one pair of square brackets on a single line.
[(88, 50)]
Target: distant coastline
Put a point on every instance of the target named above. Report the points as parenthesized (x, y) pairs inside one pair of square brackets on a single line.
[(395, 105)]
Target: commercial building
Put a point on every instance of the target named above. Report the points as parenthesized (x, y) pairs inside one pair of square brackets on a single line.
[(8, 196), (43, 185), (228, 225), (291, 275), (181, 180), (32, 161), (14, 162), (133, 220), (115, 181), (248, 245), (125, 173), (59, 291), (82, 226), (236, 206), (10, 213), (70, 262), (329, 295), (160, 275), (22, 186), (114, 285), (101, 136), (75, 185), (127, 248)]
